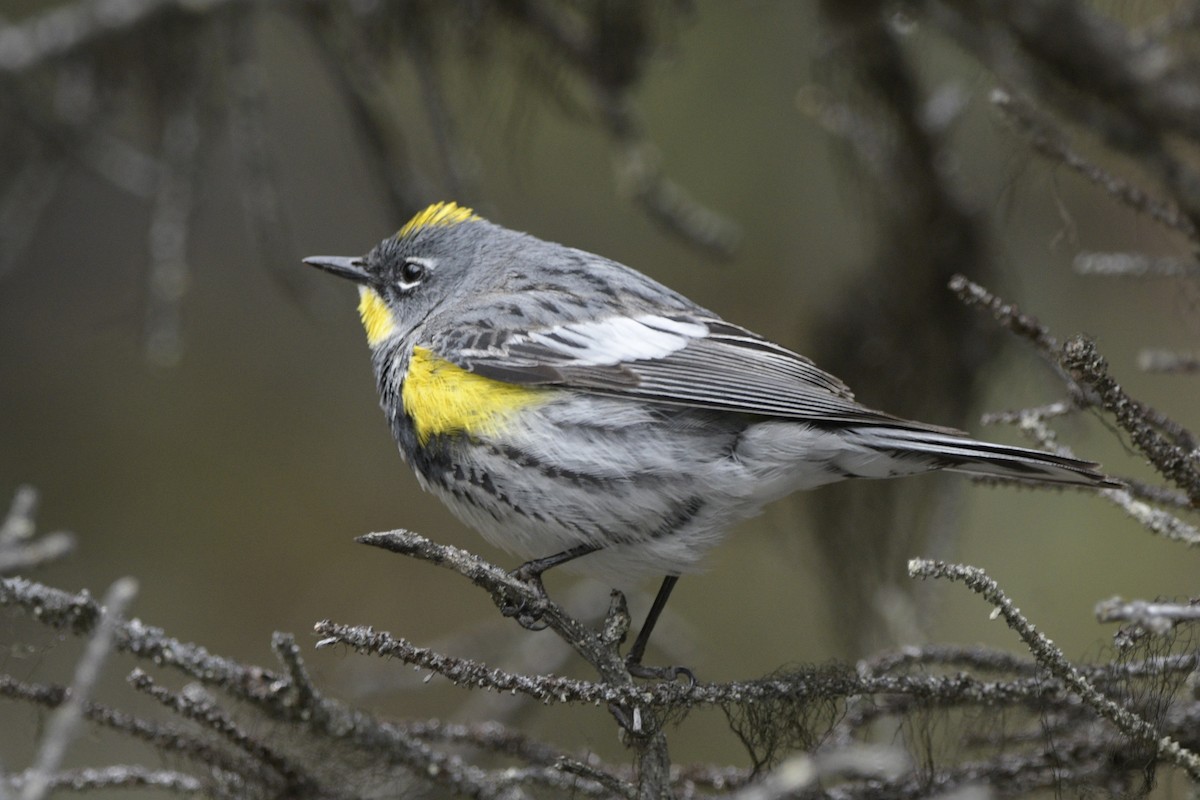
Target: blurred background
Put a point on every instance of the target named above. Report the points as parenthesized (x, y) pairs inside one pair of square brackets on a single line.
[(198, 407)]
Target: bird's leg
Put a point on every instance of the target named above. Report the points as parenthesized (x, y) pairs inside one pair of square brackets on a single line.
[(530, 615), (633, 661)]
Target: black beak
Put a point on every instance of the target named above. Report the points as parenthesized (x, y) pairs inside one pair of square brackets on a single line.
[(354, 269)]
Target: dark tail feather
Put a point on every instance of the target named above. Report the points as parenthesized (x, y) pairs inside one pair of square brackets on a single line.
[(962, 454)]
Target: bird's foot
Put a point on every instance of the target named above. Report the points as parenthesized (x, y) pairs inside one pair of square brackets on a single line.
[(669, 674), (528, 612)]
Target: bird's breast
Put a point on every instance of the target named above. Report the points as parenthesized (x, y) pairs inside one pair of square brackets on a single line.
[(440, 398)]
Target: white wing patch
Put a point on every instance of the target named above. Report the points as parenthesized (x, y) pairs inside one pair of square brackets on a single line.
[(615, 340)]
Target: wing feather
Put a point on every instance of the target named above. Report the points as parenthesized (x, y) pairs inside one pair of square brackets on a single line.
[(680, 359)]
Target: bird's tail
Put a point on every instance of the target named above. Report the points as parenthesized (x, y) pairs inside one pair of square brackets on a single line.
[(960, 453)]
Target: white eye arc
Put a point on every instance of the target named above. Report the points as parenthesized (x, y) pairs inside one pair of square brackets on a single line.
[(413, 271)]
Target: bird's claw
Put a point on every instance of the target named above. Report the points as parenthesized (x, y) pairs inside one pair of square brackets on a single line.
[(669, 674), (528, 613)]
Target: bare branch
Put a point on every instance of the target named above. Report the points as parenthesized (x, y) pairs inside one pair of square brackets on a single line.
[(1080, 358), (507, 590), (65, 29), (19, 551), (1053, 143), (1053, 660), (1008, 315), (118, 776), (1157, 618), (1167, 361), (64, 723), (1135, 265)]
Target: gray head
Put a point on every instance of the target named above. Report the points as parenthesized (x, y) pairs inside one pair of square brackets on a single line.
[(408, 276)]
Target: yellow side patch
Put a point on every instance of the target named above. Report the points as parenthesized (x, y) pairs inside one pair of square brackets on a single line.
[(376, 317), (442, 398), (438, 215)]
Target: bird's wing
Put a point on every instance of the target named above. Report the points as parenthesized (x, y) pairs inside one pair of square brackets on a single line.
[(676, 358)]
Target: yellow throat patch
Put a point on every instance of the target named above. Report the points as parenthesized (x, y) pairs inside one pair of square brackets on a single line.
[(442, 398), (376, 317), (438, 215)]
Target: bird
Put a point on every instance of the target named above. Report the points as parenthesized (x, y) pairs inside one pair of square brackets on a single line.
[(577, 413)]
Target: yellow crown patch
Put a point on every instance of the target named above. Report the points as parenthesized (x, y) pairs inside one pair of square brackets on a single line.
[(438, 215)]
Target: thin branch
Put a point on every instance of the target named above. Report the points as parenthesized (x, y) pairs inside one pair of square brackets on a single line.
[(804, 772), (1056, 663), (610, 782), (1032, 422), (1008, 315), (165, 739), (1080, 358), (118, 776), (1052, 143), (471, 674), (1157, 618), (1169, 362), (255, 152), (507, 591), (194, 704), (79, 614), (66, 29), (19, 551), (168, 277), (1134, 265), (18, 525), (308, 699), (64, 723)]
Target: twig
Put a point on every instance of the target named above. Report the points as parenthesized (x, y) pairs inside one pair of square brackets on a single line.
[(1168, 361), (64, 723), (80, 614), (163, 738), (171, 211), (976, 657), (1157, 618), (1080, 358), (802, 686), (1056, 663), (308, 700), (1052, 143), (649, 743), (1161, 495), (1032, 423), (1008, 315), (471, 674), (118, 776), (800, 773), (1134, 265), (265, 690), (18, 525), (507, 590), (571, 766), (194, 704), (255, 152), (18, 550), (23, 202), (488, 736), (67, 28), (1134, 94)]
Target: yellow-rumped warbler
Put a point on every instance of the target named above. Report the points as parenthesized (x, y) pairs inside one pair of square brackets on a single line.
[(572, 409)]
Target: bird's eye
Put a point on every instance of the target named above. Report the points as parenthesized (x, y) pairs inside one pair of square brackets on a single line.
[(412, 272)]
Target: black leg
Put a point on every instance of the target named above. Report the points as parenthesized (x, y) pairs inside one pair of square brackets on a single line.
[(531, 571), (528, 616), (633, 661)]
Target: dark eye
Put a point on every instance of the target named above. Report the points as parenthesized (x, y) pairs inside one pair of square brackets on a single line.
[(412, 272)]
